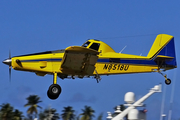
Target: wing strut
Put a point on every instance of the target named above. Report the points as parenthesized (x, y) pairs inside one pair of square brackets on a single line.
[(97, 76)]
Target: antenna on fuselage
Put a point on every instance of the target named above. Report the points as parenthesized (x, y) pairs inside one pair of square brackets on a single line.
[(123, 49), (141, 53)]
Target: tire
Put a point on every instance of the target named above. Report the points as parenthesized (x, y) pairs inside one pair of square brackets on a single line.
[(54, 91), (168, 81)]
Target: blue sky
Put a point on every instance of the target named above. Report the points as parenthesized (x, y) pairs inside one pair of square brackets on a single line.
[(36, 26)]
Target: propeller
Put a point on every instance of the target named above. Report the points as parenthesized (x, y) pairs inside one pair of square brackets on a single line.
[(8, 62), (9, 66)]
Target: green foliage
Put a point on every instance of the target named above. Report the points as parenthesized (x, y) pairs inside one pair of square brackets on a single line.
[(33, 100), (122, 108), (88, 113), (7, 112), (68, 113), (17, 115), (100, 117), (49, 113)]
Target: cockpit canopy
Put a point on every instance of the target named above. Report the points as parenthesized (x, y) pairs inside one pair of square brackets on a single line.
[(94, 46), (98, 46)]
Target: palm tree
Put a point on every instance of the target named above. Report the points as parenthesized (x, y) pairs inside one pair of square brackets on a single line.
[(42, 115), (68, 113), (100, 117), (49, 114), (33, 100), (87, 113), (17, 115), (6, 111)]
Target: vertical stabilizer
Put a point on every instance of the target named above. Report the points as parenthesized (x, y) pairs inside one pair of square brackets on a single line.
[(163, 50)]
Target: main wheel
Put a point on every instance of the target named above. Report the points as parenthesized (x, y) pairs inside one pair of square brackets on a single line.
[(168, 81), (54, 91)]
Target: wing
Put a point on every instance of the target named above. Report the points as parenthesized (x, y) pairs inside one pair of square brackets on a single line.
[(79, 61)]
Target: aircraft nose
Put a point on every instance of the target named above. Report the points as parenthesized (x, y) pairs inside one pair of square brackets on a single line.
[(7, 61)]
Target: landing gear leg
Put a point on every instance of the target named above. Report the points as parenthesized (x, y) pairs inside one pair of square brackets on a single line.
[(54, 90), (167, 80)]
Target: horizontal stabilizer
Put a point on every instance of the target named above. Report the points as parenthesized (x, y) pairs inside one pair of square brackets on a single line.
[(163, 58)]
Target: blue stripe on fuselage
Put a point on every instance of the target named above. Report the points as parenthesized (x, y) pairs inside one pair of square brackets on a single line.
[(126, 61), (41, 60)]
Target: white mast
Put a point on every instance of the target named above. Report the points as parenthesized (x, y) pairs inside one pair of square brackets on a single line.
[(157, 88)]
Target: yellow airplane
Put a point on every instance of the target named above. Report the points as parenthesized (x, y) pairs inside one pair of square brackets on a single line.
[(95, 58)]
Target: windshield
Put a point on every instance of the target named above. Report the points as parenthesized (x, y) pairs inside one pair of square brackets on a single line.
[(86, 44), (95, 46)]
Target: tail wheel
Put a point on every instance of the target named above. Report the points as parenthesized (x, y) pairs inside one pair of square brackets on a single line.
[(54, 91), (168, 81)]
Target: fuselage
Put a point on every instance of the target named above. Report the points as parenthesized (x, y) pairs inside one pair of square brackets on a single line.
[(50, 62), (108, 62)]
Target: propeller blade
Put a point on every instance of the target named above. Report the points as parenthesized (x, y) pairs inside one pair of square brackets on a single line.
[(9, 73), (9, 54), (10, 66)]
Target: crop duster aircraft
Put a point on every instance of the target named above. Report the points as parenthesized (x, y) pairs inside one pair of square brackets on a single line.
[(96, 58)]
